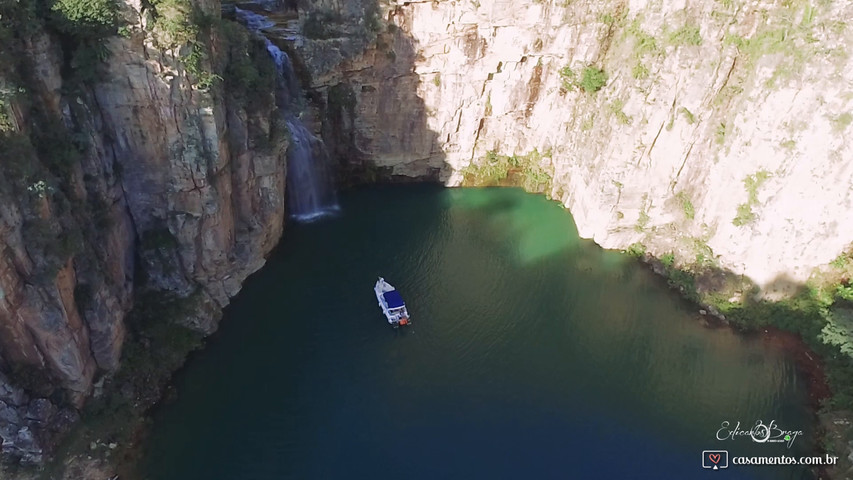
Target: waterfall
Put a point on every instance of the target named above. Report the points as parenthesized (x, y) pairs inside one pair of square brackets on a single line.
[(310, 192)]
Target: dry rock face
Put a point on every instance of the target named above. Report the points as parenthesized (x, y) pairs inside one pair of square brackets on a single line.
[(168, 188), (721, 125), (720, 128)]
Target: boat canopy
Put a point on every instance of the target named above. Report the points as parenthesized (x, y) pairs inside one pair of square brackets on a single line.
[(393, 299)]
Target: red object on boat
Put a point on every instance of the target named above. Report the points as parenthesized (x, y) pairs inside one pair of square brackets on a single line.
[(404, 321)]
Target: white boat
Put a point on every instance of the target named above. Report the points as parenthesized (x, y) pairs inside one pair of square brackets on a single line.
[(391, 303)]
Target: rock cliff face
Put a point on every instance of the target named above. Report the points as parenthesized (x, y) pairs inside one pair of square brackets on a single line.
[(719, 131), (713, 129), (138, 178)]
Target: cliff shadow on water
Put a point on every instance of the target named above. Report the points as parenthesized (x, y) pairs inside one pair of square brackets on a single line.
[(810, 320)]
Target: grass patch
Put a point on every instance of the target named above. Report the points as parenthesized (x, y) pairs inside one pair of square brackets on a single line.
[(809, 14), (639, 71), (636, 250), (615, 108), (744, 216), (841, 262), (703, 256), (592, 79), (752, 183), (569, 78), (683, 281), (688, 115), (720, 134), (522, 170), (789, 32), (764, 42), (642, 221), (686, 205), (645, 45), (688, 35), (643, 218)]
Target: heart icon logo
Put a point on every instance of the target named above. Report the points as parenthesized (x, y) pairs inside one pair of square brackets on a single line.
[(715, 459)]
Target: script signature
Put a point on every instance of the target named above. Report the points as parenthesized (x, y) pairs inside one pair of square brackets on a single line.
[(760, 432)]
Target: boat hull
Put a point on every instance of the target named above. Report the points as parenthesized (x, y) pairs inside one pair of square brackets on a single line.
[(396, 314)]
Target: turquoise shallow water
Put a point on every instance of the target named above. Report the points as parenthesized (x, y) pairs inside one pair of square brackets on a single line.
[(532, 354)]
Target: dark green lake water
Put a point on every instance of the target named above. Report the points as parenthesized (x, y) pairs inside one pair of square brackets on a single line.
[(532, 354)]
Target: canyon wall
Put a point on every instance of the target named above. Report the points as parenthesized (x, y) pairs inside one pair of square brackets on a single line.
[(140, 178), (711, 129)]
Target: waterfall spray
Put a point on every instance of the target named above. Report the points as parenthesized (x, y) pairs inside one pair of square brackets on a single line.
[(310, 192)]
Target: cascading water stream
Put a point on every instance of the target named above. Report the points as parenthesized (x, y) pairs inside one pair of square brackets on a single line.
[(310, 192)]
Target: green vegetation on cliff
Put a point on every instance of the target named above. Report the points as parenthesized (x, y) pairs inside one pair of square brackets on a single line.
[(820, 311), (181, 24), (248, 73), (686, 35), (686, 205), (526, 171), (81, 25), (592, 79), (745, 215), (86, 18)]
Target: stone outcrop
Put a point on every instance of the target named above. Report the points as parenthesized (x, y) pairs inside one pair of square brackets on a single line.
[(140, 178), (707, 128), (721, 126)]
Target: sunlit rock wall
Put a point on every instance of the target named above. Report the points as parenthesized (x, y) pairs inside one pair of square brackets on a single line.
[(722, 124)]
